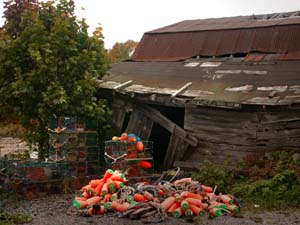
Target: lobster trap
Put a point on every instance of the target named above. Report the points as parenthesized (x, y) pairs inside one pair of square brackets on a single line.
[(125, 156), (73, 139)]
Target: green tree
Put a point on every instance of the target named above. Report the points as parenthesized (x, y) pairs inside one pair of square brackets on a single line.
[(121, 51), (51, 67)]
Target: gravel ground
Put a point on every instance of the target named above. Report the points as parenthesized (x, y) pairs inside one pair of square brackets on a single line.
[(57, 210)]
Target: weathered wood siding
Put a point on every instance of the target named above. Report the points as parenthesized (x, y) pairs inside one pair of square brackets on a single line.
[(214, 133), (225, 134)]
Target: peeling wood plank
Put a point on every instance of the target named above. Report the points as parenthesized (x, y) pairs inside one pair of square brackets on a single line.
[(157, 117), (118, 117), (263, 100), (169, 157), (226, 138), (176, 149), (181, 149), (139, 125), (229, 71), (278, 134), (255, 72), (245, 88), (273, 88), (181, 90), (133, 122), (147, 128), (119, 109), (282, 121), (278, 115)]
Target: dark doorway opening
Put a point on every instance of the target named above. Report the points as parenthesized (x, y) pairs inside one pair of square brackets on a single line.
[(161, 136), (126, 121), (175, 114)]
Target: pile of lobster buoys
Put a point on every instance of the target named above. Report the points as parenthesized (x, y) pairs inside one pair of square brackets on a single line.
[(153, 202), (187, 203), (100, 191)]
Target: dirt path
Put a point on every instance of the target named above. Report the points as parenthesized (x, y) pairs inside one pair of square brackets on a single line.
[(12, 145), (57, 210)]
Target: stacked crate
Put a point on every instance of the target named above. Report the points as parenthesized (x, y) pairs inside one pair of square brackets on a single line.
[(74, 158), (77, 143), (130, 163)]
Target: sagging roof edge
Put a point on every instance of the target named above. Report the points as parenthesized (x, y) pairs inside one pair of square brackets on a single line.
[(163, 97)]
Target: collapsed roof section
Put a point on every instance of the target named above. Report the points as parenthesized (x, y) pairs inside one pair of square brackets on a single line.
[(273, 33)]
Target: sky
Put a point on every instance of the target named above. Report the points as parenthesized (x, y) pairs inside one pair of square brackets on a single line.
[(124, 20)]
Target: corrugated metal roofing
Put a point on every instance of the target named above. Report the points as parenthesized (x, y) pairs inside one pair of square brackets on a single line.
[(233, 81), (223, 36)]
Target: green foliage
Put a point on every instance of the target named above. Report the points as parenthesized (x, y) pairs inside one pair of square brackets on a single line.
[(211, 174), (51, 67), (281, 191), (271, 180), (10, 219)]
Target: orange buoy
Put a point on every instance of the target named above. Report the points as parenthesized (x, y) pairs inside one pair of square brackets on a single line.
[(123, 137), (117, 206), (139, 198), (140, 146), (226, 199), (108, 174), (178, 212), (93, 200), (194, 201), (207, 189), (79, 204), (94, 183), (187, 194), (197, 211), (145, 164), (167, 203), (98, 189), (183, 180)]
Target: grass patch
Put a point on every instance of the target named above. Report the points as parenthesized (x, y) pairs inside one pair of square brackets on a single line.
[(283, 190), (11, 219)]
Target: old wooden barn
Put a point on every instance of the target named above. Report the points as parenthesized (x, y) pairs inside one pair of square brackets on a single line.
[(212, 89)]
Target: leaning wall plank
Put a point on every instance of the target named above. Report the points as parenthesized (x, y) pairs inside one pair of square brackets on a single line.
[(157, 117)]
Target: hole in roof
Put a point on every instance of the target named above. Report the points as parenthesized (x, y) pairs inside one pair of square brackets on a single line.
[(211, 64), (191, 64)]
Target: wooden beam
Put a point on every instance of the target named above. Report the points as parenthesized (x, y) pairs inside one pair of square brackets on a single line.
[(163, 121), (181, 90), (123, 85)]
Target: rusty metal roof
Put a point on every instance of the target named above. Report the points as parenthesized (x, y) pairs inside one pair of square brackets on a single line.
[(221, 79), (273, 33)]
